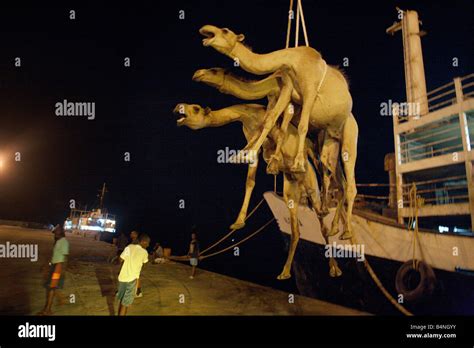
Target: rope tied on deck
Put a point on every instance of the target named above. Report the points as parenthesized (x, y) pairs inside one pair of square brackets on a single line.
[(415, 203), (231, 232)]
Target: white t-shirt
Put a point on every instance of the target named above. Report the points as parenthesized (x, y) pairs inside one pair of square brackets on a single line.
[(134, 257)]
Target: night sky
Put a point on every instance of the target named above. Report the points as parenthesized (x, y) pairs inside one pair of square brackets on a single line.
[(65, 158)]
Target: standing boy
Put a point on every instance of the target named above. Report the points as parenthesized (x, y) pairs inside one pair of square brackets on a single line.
[(135, 239), (133, 257)]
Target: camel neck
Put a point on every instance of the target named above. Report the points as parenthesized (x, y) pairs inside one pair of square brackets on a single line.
[(224, 116), (236, 113), (251, 90), (259, 64)]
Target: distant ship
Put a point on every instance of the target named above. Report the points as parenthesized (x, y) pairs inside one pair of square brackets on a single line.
[(433, 150), (93, 222)]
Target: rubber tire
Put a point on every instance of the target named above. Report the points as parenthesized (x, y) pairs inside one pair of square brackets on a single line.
[(425, 287)]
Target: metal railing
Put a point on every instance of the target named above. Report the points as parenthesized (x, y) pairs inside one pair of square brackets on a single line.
[(445, 95)]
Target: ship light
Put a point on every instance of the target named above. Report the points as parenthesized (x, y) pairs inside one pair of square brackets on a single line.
[(442, 229)]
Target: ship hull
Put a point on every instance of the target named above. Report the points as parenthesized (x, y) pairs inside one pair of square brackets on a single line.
[(453, 293), (386, 246)]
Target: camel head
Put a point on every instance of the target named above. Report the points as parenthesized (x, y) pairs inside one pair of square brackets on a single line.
[(213, 77), (222, 40), (192, 115)]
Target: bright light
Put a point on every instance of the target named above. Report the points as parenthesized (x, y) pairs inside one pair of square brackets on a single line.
[(442, 229)]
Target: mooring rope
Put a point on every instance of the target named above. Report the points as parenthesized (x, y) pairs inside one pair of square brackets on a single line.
[(240, 242), (381, 287), (233, 230), (185, 257), (415, 203)]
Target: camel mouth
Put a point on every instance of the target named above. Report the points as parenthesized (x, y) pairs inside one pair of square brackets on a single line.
[(181, 117), (209, 36), (198, 75), (180, 122)]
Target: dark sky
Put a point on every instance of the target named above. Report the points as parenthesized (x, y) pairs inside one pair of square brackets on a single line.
[(82, 60)]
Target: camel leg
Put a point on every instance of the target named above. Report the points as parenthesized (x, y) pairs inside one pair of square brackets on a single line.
[(310, 186), (275, 159), (292, 196), (308, 101), (271, 117), (349, 155), (334, 270), (329, 156), (249, 185)]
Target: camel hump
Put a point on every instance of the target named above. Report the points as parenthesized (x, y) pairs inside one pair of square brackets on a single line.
[(306, 50), (340, 74)]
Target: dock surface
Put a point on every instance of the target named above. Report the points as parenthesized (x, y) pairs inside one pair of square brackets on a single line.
[(91, 283)]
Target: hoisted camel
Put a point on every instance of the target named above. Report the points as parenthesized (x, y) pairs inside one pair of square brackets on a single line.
[(297, 187), (326, 101), (270, 87)]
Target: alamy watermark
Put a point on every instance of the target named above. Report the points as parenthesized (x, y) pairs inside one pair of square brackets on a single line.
[(353, 251), (391, 108), (28, 330), (237, 156), (65, 108), (20, 251)]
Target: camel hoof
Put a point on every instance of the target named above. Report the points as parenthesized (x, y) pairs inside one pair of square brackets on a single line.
[(346, 235), (298, 169), (298, 164), (284, 276), (324, 211), (272, 168), (335, 272), (237, 225)]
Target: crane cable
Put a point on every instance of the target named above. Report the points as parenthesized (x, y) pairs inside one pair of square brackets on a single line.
[(299, 21)]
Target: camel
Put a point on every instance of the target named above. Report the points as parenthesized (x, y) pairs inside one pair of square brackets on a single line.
[(270, 88), (297, 187), (307, 71), (326, 101)]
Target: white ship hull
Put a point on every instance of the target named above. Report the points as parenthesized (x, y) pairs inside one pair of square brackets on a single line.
[(387, 245), (383, 239)]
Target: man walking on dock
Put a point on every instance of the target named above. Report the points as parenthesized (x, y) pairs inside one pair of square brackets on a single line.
[(57, 268), (134, 257), (193, 253)]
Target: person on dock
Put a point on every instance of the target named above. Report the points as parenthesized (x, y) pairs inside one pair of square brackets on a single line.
[(193, 254), (134, 257), (121, 243), (158, 254), (57, 268), (135, 239)]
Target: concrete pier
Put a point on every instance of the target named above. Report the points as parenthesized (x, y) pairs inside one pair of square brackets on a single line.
[(91, 283)]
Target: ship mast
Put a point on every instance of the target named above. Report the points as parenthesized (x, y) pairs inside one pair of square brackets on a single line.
[(413, 59), (417, 150), (102, 196)]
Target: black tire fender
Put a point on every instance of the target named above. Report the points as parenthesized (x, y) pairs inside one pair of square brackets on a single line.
[(426, 285)]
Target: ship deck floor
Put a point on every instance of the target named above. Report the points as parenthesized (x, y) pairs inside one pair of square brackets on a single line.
[(93, 282)]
